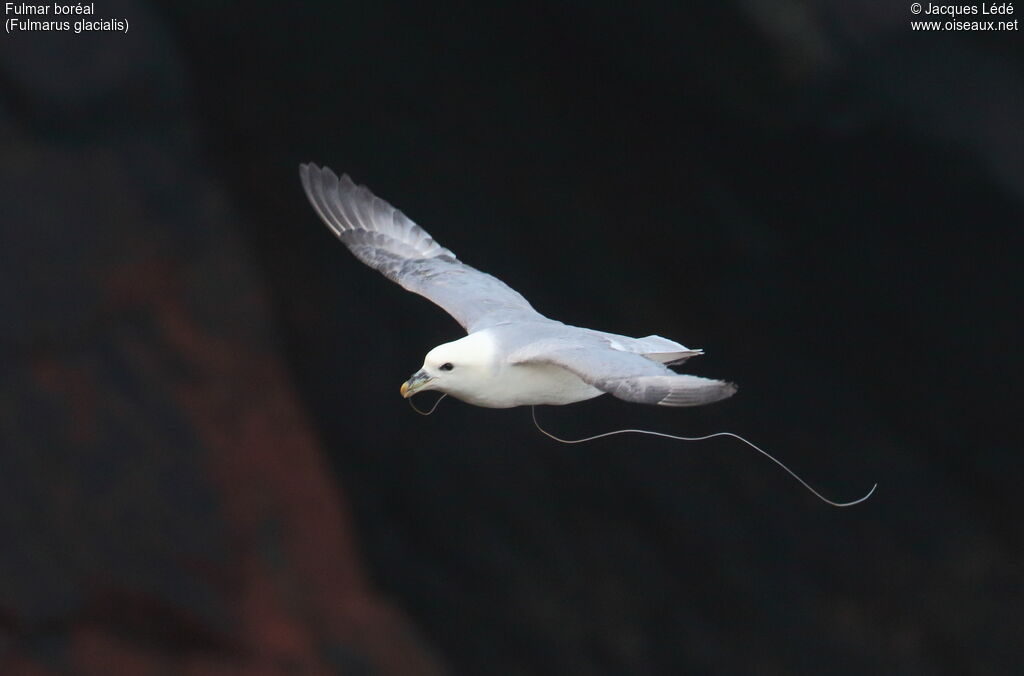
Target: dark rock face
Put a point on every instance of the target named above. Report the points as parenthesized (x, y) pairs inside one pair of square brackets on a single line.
[(165, 506), (206, 467)]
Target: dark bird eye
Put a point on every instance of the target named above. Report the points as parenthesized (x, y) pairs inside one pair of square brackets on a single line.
[(447, 366)]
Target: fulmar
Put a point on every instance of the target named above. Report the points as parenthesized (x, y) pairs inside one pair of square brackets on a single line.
[(512, 355)]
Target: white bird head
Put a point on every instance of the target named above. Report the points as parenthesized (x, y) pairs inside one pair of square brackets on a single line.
[(454, 368)]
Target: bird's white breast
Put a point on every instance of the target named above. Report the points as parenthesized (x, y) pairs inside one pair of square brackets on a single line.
[(528, 384)]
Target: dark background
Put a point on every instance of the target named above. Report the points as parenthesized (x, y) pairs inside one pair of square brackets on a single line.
[(206, 467)]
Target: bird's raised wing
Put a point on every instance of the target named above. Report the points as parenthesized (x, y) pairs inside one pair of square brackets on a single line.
[(625, 375), (383, 238)]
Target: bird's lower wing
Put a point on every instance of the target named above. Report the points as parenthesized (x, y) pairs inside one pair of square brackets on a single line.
[(625, 375), (385, 239)]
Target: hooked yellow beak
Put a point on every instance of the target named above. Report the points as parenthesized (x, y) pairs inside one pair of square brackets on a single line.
[(415, 383)]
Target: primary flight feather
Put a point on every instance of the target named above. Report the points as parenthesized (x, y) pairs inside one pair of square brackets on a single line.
[(512, 355)]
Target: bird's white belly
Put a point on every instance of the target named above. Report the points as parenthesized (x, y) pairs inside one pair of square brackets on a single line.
[(530, 384)]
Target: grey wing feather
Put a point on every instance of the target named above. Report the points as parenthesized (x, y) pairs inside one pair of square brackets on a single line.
[(386, 240), (626, 375), (656, 348)]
